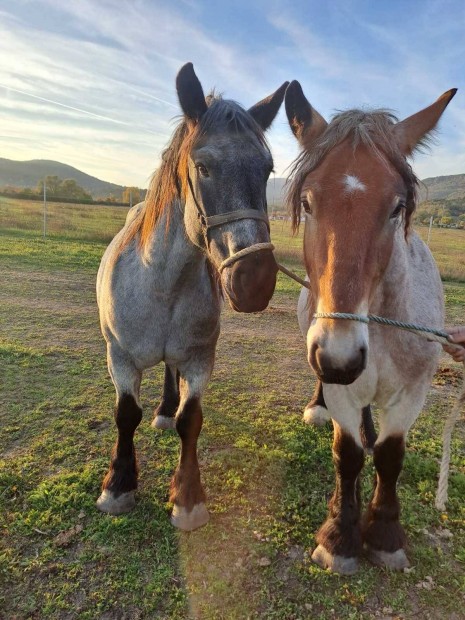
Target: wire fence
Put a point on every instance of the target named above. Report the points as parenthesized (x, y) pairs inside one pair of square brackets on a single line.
[(67, 222), (62, 219)]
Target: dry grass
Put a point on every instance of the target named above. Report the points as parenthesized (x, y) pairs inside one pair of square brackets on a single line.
[(100, 223)]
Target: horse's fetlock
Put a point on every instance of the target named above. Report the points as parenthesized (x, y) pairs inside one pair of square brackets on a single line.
[(340, 537)]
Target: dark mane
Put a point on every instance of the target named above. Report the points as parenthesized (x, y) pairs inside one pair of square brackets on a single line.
[(169, 182), (371, 128)]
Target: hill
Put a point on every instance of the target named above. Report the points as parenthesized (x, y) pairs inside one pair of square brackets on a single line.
[(29, 173), (446, 188), (443, 188)]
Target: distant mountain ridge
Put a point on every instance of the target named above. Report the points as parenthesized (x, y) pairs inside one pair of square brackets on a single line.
[(443, 188), (29, 173)]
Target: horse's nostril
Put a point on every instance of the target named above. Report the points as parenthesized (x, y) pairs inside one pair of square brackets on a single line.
[(363, 355), (314, 355)]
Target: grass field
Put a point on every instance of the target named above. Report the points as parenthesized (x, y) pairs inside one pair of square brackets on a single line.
[(267, 475)]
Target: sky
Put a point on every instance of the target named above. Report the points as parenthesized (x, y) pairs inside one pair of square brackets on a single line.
[(91, 83)]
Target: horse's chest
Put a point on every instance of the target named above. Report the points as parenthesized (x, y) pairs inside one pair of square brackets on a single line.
[(191, 328), (194, 320)]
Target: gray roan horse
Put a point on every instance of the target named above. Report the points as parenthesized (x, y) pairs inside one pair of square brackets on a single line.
[(358, 193), (160, 280)]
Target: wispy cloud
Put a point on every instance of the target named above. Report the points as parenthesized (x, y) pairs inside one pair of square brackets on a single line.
[(92, 82)]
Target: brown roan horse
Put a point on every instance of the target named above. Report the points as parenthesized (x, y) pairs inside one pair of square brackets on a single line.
[(358, 193)]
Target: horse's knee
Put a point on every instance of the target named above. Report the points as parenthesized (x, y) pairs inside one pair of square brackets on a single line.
[(348, 456), (388, 457), (189, 419), (128, 414)]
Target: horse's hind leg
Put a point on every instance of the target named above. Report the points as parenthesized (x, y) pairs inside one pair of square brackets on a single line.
[(339, 538), (367, 430), (315, 411), (187, 494), (166, 410), (120, 482)]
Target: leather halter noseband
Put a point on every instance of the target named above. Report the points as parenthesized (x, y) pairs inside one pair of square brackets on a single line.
[(207, 222)]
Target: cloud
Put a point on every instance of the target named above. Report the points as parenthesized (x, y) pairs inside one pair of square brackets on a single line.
[(105, 72), (115, 65)]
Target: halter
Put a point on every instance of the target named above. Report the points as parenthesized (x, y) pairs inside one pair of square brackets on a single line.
[(207, 222)]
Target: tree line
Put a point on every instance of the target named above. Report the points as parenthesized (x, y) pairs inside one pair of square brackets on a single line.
[(68, 190), (446, 212)]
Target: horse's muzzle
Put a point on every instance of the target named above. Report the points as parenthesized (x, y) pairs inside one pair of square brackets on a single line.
[(250, 281), (342, 374)]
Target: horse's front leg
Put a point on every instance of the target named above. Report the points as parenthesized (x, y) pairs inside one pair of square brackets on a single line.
[(166, 410), (339, 538), (187, 494), (383, 534), (120, 482)]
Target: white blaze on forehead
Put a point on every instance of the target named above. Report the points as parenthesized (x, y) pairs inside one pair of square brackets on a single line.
[(353, 184)]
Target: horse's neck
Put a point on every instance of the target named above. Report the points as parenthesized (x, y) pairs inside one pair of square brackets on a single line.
[(174, 259), (392, 297)]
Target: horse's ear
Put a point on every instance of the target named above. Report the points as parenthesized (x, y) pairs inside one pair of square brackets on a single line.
[(264, 111), (304, 120), (413, 131), (190, 93)]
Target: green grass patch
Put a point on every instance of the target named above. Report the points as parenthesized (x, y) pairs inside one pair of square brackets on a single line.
[(268, 477)]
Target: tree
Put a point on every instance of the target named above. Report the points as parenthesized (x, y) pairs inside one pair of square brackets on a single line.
[(52, 184), (72, 191), (67, 189), (135, 192)]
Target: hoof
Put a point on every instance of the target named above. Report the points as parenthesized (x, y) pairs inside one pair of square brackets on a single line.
[(396, 561), (164, 423), (107, 502), (192, 520), (316, 415), (334, 563)]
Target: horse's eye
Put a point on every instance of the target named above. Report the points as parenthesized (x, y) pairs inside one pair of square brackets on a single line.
[(202, 170), (306, 206), (398, 210)]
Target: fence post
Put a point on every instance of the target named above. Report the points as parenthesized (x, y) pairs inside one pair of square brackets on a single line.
[(429, 230), (45, 209)]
